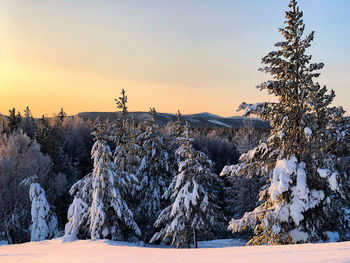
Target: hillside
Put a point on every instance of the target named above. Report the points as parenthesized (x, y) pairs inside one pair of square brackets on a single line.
[(195, 120)]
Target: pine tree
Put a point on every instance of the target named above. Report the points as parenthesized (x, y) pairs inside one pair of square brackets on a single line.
[(303, 198), (194, 213), (154, 175), (44, 221)]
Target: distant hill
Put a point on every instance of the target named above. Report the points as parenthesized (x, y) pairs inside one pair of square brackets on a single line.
[(204, 119)]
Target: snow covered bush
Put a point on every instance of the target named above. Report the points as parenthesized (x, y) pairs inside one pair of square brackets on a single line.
[(44, 221), (195, 212), (302, 157)]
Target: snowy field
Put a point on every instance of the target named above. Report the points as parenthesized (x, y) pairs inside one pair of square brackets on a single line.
[(215, 251)]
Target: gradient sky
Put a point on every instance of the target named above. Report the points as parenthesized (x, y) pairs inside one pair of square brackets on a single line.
[(193, 55)]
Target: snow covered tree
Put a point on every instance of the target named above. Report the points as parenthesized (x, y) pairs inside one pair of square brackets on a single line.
[(126, 155), (304, 197), (154, 174), (99, 209), (19, 158), (44, 221), (194, 213), (109, 211), (79, 211)]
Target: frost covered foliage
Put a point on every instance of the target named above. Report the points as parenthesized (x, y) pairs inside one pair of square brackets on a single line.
[(194, 213), (248, 137), (99, 208), (19, 158), (67, 141), (44, 221), (302, 157), (154, 174)]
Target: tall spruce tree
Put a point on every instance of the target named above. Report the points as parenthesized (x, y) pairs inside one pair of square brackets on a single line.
[(301, 157), (127, 153), (195, 213), (99, 209), (154, 174), (109, 213)]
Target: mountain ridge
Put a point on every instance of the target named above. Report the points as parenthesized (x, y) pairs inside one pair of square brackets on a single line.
[(202, 120)]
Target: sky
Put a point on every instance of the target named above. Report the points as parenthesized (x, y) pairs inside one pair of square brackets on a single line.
[(193, 55)]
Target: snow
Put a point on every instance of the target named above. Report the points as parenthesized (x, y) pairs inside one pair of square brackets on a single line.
[(3, 243), (332, 178), (333, 236), (219, 123), (44, 222), (223, 251), (281, 176), (333, 182), (308, 132), (298, 235), (323, 172)]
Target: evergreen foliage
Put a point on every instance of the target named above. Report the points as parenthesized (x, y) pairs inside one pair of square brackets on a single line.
[(14, 119), (304, 197), (194, 213), (154, 174), (109, 213)]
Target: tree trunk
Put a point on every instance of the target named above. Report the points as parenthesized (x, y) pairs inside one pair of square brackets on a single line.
[(195, 238)]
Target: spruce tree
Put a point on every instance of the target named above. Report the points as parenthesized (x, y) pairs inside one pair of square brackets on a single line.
[(14, 119), (109, 213), (28, 123), (99, 209), (194, 213), (154, 174), (304, 197), (126, 154)]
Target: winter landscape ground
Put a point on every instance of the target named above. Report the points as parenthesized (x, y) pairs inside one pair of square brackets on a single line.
[(91, 188), (215, 251)]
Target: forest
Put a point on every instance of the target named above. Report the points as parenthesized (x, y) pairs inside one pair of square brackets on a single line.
[(138, 181)]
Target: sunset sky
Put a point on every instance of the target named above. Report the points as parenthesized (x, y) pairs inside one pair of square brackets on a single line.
[(194, 55)]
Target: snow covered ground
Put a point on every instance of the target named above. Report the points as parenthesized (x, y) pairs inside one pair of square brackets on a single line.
[(214, 251)]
